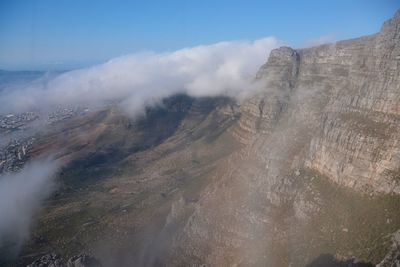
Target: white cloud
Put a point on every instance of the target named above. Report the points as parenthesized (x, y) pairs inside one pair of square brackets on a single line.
[(20, 197), (324, 39), (225, 68)]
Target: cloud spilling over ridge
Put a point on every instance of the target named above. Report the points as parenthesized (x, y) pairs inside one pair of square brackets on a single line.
[(225, 68), (20, 197), (324, 39)]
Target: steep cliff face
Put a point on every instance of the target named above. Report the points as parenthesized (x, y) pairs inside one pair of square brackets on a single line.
[(318, 139), (349, 94), (357, 145)]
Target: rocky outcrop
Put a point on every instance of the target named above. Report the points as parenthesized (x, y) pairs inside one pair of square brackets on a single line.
[(261, 113), (48, 260), (392, 259), (54, 260)]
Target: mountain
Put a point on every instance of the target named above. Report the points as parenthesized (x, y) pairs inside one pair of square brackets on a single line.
[(319, 169), (306, 172)]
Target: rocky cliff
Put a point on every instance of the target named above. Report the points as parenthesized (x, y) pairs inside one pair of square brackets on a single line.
[(321, 141), (348, 94)]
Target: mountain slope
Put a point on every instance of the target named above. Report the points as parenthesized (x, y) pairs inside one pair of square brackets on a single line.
[(306, 168), (120, 176)]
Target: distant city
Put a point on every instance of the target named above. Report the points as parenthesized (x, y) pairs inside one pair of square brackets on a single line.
[(14, 152)]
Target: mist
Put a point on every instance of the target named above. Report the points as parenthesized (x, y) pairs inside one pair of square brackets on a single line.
[(21, 194), (143, 79)]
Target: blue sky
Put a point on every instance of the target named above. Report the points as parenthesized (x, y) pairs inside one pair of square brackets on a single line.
[(62, 34)]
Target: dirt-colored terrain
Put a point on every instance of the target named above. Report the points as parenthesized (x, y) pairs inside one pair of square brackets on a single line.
[(303, 173)]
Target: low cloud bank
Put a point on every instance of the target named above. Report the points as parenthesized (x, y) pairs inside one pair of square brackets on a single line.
[(20, 197), (143, 79)]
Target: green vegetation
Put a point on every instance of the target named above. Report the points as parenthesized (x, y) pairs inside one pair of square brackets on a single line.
[(348, 223)]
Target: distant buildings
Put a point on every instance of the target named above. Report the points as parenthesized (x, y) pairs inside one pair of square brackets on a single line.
[(65, 113), (14, 154), (17, 121)]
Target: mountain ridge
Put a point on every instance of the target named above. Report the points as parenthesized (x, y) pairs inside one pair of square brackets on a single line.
[(304, 168)]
